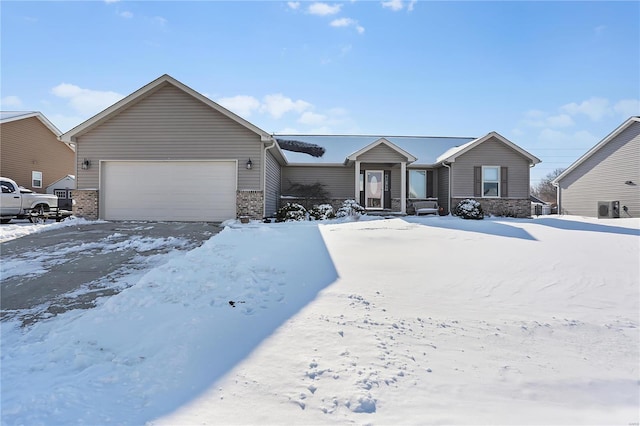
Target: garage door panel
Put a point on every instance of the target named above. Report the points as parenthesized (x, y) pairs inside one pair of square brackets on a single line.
[(166, 191)]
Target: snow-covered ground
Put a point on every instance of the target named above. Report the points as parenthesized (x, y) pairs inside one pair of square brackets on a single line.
[(389, 321), (20, 228)]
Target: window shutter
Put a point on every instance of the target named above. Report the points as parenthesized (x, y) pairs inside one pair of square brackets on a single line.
[(504, 172), (387, 189), (361, 200), (477, 181)]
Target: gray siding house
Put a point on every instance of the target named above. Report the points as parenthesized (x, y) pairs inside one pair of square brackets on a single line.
[(390, 173), (166, 152), (608, 172)]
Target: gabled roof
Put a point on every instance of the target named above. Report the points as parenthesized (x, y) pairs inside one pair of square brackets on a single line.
[(339, 147), (147, 90), (9, 116), (382, 141), (451, 155), (596, 148)]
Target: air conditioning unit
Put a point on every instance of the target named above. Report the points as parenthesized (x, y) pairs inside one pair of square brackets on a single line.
[(608, 209)]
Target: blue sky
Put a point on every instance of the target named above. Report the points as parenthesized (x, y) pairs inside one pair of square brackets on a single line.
[(553, 77)]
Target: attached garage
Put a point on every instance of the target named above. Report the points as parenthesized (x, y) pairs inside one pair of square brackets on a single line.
[(168, 190)]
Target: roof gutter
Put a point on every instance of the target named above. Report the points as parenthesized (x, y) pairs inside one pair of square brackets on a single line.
[(448, 192)]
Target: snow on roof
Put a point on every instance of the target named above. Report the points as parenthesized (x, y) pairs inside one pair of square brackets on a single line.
[(338, 147)]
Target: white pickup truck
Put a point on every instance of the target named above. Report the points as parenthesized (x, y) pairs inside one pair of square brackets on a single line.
[(21, 203)]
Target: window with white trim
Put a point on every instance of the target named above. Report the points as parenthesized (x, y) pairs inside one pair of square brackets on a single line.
[(490, 181), (417, 184), (36, 179)]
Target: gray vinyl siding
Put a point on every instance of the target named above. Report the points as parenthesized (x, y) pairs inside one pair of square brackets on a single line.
[(339, 181), (272, 184), (492, 152), (602, 177), (169, 124), (381, 154), (443, 187)]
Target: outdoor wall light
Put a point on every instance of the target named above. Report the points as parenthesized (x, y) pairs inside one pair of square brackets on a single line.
[(249, 164), (86, 164), (629, 182)]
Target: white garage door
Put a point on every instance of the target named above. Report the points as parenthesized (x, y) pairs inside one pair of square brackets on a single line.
[(168, 190)]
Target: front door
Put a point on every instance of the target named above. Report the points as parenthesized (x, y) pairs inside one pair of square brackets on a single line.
[(11, 202), (373, 190)]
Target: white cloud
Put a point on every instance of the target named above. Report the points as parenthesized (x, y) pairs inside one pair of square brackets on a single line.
[(126, 14), (312, 119), (411, 5), (242, 105), (594, 108), (347, 22), (394, 5), (10, 101), (536, 118), (86, 101), (560, 120), (293, 5), (160, 20), (277, 105), (324, 9), (627, 107), (342, 22), (556, 138), (111, 1)]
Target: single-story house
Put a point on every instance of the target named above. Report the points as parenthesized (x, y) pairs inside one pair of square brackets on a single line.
[(166, 152), (604, 182), (32, 154)]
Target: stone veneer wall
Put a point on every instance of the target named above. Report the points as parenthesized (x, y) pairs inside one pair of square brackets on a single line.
[(250, 203), (85, 203), (501, 206)]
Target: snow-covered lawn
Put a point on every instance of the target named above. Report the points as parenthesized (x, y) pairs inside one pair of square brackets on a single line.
[(390, 321), (20, 228)]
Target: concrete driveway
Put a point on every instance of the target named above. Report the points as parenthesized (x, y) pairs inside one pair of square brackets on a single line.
[(50, 272)]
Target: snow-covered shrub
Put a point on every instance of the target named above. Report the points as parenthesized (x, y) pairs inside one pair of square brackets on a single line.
[(321, 212), (291, 212), (469, 209), (350, 208)]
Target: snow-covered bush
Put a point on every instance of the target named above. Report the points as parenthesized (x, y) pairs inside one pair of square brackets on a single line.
[(469, 209), (350, 208), (291, 212), (321, 212)]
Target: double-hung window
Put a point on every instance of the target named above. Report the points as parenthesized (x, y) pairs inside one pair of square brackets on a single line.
[(417, 184), (490, 181), (36, 179)]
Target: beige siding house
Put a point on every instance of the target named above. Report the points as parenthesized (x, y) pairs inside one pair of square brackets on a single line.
[(30, 152), (166, 152), (605, 182)]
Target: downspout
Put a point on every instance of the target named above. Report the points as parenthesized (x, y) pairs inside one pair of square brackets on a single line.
[(449, 192), (264, 177)]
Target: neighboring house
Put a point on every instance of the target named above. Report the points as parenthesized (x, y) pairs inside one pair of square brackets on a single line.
[(62, 188), (30, 152), (608, 173), (166, 152)]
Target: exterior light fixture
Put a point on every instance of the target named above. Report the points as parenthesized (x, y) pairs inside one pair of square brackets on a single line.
[(629, 182), (249, 164), (86, 164)]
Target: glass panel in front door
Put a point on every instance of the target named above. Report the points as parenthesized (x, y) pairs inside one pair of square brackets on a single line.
[(373, 189)]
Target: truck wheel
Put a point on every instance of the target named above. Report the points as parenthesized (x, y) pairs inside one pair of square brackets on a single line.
[(3, 221), (37, 215)]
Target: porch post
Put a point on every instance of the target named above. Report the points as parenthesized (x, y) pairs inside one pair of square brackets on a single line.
[(357, 191), (403, 187)]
